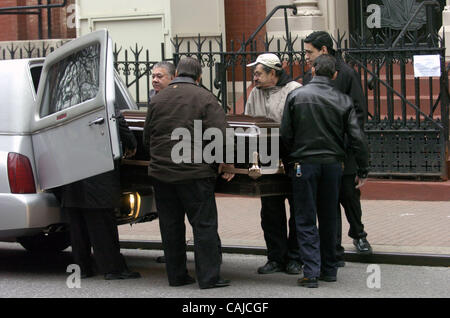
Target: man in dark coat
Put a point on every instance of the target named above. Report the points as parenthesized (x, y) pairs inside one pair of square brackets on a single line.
[(183, 180), (90, 205), (347, 81), (162, 74)]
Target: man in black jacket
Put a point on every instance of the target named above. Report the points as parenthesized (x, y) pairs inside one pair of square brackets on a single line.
[(90, 205), (315, 121), (183, 180), (347, 81)]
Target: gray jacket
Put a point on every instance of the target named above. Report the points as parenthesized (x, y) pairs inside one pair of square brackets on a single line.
[(269, 102)]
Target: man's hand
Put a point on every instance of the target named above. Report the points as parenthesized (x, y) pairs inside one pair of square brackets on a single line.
[(226, 175), (129, 153), (360, 182)]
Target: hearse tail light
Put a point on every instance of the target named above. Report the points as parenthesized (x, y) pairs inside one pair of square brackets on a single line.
[(20, 174), (130, 204), (135, 204)]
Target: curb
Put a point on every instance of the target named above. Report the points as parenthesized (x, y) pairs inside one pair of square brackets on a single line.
[(410, 259)]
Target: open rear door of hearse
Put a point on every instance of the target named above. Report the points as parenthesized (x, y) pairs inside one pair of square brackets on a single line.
[(74, 129)]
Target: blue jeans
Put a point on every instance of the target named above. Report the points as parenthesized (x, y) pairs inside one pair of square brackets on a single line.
[(316, 195)]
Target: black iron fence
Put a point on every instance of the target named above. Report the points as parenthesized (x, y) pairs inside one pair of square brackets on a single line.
[(29, 49), (135, 66), (227, 73)]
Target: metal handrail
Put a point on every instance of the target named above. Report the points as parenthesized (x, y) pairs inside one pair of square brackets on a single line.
[(39, 6), (16, 11), (218, 80), (268, 17)]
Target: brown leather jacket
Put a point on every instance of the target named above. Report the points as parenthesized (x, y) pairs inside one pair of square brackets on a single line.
[(181, 107)]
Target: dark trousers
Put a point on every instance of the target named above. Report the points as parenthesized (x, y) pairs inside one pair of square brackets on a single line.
[(316, 194), (350, 199), (195, 199), (281, 246), (95, 228)]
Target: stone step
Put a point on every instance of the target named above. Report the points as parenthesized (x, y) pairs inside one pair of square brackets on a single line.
[(385, 189)]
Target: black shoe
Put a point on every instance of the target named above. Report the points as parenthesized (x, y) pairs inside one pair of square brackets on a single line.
[(187, 281), (220, 283), (123, 275), (340, 264), (293, 268), (161, 259), (308, 282), (270, 268), (87, 273), (326, 278), (362, 246)]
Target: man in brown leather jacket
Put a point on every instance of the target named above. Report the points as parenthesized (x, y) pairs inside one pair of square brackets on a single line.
[(184, 182)]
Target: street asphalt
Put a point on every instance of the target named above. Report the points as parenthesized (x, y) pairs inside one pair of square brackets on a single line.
[(26, 275)]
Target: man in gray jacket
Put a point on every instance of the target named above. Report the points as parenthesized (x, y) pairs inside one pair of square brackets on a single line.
[(267, 99)]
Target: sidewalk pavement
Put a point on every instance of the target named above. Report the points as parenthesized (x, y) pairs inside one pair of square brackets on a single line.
[(392, 226)]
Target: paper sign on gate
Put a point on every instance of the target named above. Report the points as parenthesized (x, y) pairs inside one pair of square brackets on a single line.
[(427, 65)]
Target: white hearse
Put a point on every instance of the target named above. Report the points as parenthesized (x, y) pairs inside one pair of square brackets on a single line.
[(57, 126)]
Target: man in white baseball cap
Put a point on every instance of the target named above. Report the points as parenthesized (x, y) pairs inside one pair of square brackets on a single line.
[(267, 99), (269, 60)]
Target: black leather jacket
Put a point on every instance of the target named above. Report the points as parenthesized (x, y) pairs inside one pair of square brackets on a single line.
[(315, 121), (348, 82)]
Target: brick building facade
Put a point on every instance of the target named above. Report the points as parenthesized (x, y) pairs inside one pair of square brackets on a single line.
[(26, 27), (242, 18)]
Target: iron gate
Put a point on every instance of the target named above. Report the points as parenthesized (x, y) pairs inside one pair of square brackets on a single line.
[(408, 117)]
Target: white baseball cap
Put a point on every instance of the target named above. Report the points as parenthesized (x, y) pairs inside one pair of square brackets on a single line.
[(269, 60)]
